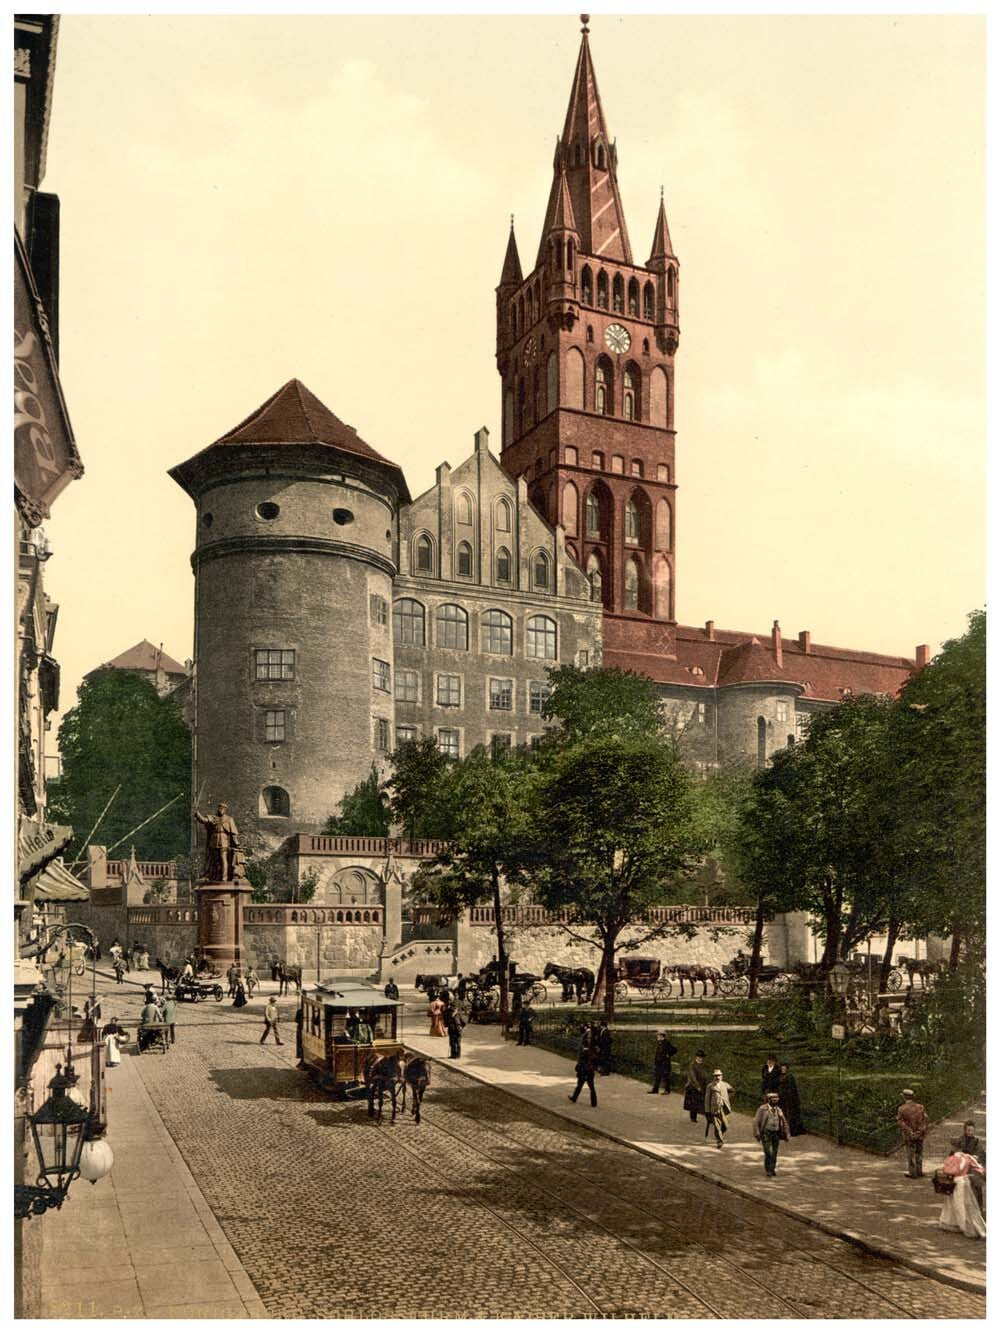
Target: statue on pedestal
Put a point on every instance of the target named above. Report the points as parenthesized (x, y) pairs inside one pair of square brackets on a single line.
[(223, 855)]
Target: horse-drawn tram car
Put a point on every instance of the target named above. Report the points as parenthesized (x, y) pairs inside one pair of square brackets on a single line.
[(337, 1018)]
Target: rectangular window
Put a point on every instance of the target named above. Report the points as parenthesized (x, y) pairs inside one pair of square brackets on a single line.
[(449, 691), (583, 657), (274, 663), (781, 710), (502, 694), (406, 686), (802, 725), (379, 609), (448, 741), (405, 733), (380, 674), (274, 724), (500, 743), (382, 734), (537, 695)]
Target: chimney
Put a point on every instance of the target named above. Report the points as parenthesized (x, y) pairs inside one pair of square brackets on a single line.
[(710, 630), (482, 440), (805, 640), (776, 643), (923, 654)]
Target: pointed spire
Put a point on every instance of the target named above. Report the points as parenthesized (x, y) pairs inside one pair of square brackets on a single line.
[(559, 215), (511, 275), (590, 160), (662, 247)]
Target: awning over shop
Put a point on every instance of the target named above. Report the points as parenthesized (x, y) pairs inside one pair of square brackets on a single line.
[(38, 844), (56, 884)]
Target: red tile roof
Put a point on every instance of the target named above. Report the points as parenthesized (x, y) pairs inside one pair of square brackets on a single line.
[(145, 657), (294, 415), (733, 657)]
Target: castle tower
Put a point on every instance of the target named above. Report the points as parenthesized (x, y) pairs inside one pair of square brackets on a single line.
[(293, 565), (585, 351)]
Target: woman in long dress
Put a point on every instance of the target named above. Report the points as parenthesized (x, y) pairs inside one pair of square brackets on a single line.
[(960, 1210), (435, 1012), (239, 994), (788, 1100)]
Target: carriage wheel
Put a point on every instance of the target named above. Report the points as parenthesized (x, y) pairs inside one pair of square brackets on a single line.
[(741, 987), (782, 983), (727, 987), (217, 993), (538, 992), (663, 989), (895, 979), (621, 990)]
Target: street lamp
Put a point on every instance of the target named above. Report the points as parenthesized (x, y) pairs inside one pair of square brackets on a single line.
[(58, 1129), (840, 975)]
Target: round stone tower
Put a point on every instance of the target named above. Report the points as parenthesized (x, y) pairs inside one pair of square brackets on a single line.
[(293, 565)]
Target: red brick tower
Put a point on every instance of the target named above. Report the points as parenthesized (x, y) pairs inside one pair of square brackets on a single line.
[(585, 350)]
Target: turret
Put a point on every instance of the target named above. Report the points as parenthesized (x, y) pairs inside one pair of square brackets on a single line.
[(557, 252), (511, 278), (663, 262)]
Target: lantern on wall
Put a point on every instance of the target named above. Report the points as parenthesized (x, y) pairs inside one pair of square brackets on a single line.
[(58, 1128)]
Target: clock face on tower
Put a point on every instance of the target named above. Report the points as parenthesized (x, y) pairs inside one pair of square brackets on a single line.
[(529, 351), (617, 338)]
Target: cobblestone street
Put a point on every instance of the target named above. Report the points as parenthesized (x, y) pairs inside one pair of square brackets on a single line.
[(489, 1208)]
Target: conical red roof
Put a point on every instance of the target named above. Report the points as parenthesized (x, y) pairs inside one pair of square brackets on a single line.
[(294, 415), (559, 215), (662, 247), (511, 275)]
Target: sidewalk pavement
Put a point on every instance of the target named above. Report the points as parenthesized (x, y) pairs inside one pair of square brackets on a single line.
[(846, 1192), (153, 1247)]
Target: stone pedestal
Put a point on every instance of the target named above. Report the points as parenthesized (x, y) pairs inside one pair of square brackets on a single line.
[(220, 922)]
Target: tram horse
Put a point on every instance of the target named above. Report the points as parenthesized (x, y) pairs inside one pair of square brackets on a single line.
[(578, 980)]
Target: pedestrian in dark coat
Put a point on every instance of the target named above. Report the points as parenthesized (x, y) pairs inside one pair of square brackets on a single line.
[(391, 990), (586, 1064), (788, 1100), (694, 1088), (662, 1056), (770, 1077), (239, 994), (604, 1058), (525, 1023), (453, 1024)]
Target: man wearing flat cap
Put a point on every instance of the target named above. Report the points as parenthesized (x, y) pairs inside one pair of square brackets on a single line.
[(769, 1128), (914, 1123)]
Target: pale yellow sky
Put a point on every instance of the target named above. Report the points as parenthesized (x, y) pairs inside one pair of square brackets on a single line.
[(245, 199)]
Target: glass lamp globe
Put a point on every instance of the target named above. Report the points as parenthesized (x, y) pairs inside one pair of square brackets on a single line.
[(96, 1160)]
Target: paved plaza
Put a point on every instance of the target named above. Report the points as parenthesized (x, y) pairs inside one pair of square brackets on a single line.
[(492, 1207)]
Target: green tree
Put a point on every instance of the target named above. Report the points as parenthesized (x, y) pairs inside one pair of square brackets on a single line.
[(615, 824), (419, 770), (121, 732), (939, 740), (271, 881), (364, 812), (602, 700), (490, 803)]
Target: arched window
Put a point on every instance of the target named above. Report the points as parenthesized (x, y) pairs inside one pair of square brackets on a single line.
[(593, 515), (508, 417), (617, 464), (631, 585), (538, 298), (452, 627), (601, 159), (540, 570), (648, 301), (503, 515), (658, 397), (632, 522), (574, 378), (520, 407), (670, 285), (662, 540), (540, 638), (618, 294), (603, 387), (424, 553), (645, 347), (520, 314), (630, 396), (662, 472), (578, 154), (559, 255), (597, 459), (503, 565), (570, 253), (595, 577), (463, 560), (551, 383), (761, 742), (661, 589), (590, 333), (529, 309), (275, 801), (587, 286), (570, 455), (633, 297), (498, 633), (513, 320), (408, 622), (539, 394), (571, 500), (602, 290), (463, 508), (636, 467)]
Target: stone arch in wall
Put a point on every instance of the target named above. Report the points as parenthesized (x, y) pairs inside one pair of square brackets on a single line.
[(353, 886), (574, 378)]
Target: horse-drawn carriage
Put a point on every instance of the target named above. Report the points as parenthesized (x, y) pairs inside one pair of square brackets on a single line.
[(735, 978), (194, 989), (646, 975)]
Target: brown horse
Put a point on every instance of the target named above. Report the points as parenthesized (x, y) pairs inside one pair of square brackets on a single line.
[(692, 972), (288, 974), (383, 1077), (416, 1077)]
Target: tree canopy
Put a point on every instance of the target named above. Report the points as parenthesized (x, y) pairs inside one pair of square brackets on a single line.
[(363, 812), (602, 700), (122, 732)]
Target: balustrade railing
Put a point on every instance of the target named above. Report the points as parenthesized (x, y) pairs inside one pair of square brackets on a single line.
[(531, 914), (163, 914), (310, 844), (294, 914), (148, 869)]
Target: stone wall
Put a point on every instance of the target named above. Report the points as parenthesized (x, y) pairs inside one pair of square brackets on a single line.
[(354, 949)]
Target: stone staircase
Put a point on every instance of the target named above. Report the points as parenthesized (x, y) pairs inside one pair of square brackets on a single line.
[(407, 961)]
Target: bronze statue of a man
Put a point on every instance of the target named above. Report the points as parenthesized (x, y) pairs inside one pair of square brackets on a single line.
[(223, 854)]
